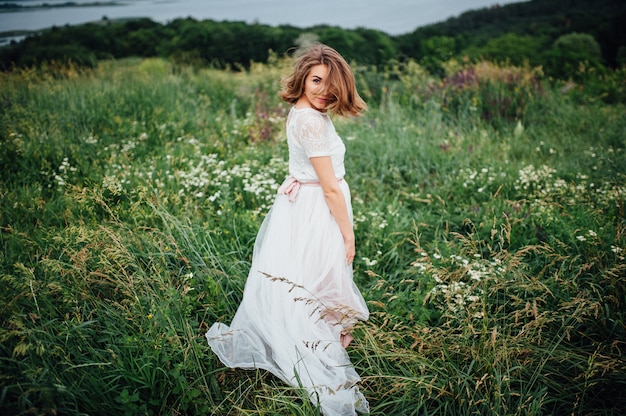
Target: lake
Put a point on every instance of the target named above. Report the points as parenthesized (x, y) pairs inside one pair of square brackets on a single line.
[(390, 16)]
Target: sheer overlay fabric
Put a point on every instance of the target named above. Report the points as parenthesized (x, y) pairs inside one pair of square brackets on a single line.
[(300, 296)]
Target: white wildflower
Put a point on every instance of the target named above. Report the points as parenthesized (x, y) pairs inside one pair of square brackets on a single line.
[(369, 262)]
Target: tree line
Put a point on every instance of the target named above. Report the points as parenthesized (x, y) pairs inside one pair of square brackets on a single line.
[(556, 34)]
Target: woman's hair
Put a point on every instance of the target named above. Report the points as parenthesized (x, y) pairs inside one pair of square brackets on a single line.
[(340, 83)]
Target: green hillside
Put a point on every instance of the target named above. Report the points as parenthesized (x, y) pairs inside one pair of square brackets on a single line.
[(544, 20), (554, 34)]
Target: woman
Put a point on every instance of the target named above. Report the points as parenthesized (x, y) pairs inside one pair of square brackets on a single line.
[(300, 302)]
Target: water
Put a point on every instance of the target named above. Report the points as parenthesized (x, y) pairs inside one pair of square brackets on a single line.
[(390, 16)]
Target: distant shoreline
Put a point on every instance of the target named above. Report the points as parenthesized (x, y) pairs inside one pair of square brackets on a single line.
[(14, 7), (19, 35)]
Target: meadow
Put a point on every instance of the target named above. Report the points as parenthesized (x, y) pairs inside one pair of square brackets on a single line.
[(489, 213)]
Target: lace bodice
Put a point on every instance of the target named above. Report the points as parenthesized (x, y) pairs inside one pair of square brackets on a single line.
[(311, 133)]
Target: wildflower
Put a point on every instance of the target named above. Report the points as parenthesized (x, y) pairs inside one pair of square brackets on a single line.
[(421, 266), (360, 218), (90, 140), (581, 238), (59, 180), (215, 196), (475, 274), (369, 262)]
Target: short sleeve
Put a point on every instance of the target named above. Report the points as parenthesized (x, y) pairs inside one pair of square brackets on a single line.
[(314, 137)]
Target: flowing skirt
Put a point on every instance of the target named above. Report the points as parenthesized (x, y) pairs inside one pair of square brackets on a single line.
[(298, 300)]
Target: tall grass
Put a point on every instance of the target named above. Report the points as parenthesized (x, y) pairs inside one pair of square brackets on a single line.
[(489, 214)]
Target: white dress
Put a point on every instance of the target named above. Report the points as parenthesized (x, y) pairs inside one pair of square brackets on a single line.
[(300, 297)]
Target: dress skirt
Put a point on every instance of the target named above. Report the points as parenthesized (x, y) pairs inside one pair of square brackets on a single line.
[(298, 299)]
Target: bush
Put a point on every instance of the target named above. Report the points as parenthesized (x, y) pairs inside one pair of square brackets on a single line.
[(572, 51)]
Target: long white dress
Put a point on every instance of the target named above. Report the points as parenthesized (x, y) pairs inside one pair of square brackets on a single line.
[(300, 297)]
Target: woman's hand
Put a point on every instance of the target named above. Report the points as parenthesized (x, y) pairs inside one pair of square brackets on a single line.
[(350, 249)]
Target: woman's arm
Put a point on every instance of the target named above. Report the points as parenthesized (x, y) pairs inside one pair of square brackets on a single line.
[(336, 201)]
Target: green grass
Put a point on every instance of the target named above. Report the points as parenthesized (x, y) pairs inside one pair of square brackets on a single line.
[(490, 230)]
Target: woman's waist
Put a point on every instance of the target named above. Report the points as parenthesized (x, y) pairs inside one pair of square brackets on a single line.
[(291, 186), (310, 181)]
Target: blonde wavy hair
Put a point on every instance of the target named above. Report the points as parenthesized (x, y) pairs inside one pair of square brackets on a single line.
[(340, 83)]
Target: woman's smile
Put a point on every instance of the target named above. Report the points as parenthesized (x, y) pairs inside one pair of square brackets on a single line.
[(322, 100)]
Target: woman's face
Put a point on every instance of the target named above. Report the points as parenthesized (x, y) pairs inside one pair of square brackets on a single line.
[(315, 91)]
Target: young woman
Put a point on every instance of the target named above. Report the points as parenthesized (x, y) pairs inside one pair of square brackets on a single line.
[(300, 302)]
